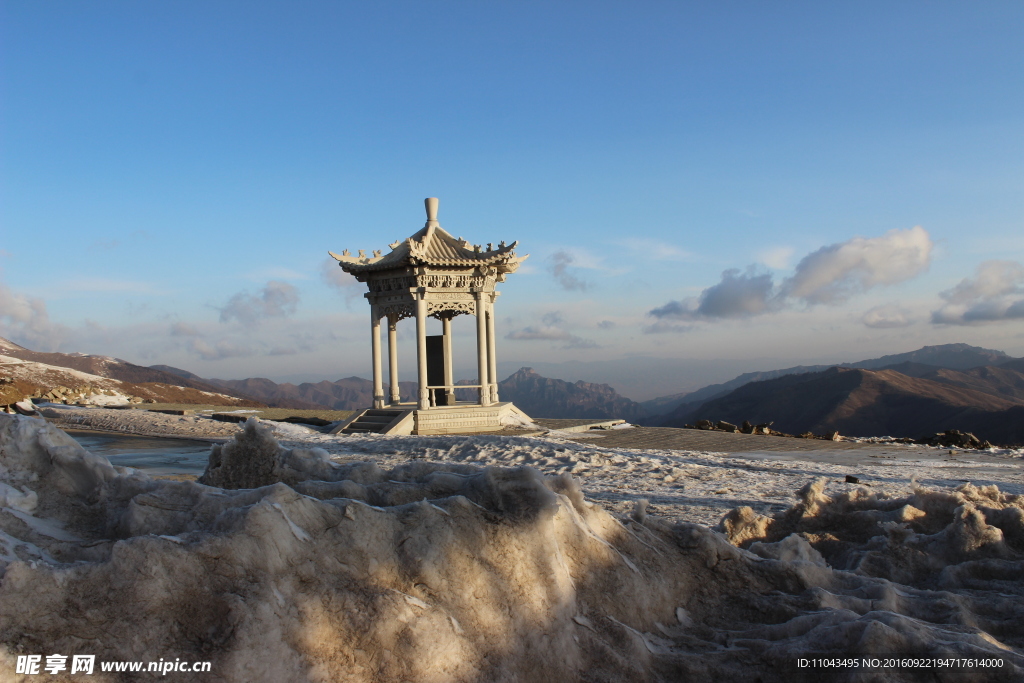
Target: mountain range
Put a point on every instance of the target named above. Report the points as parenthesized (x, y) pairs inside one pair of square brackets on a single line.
[(931, 389), (951, 356), (548, 397), (904, 398)]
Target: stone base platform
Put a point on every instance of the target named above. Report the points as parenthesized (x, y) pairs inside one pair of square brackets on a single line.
[(463, 418)]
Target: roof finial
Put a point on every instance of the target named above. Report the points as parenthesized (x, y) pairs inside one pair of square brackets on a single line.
[(431, 204)]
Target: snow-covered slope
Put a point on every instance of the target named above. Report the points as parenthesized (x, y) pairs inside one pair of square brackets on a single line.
[(21, 380), (146, 382), (336, 569)]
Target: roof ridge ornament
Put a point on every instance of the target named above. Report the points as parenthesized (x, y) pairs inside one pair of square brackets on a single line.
[(431, 205)]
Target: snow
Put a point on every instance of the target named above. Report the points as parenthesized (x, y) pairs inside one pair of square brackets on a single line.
[(686, 486), (514, 418), (24, 500), (29, 370), (8, 345), (290, 431), (118, 399), (490, 558)]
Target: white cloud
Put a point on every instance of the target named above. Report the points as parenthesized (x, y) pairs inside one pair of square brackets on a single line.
[(559, 269), (738, 295), (664, 326), (277, 300), (278, 273), (994, 294), (220, 350), (540, 332), (551, 333), (336, 278), (829, 275), (887, 316), (834, 273), (25, 321), (553, 318)]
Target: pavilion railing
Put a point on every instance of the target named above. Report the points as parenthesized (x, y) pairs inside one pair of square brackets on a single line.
[(452, 388)]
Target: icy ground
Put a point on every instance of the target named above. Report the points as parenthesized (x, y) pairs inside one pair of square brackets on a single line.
[(483, 559), (683, 485)]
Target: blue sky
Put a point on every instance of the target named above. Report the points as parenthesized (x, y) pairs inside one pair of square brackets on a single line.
[(699, 181)]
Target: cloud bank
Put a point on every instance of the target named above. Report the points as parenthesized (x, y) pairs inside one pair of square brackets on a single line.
[(277, 300), (552, 333), (24, 320), (219, 350), (995, 293), (829, 276), (834, 273)]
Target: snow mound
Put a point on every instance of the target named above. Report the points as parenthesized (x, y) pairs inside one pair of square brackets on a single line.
[(297, 568), (949, 539)]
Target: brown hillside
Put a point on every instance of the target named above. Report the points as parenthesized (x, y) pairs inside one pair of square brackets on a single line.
[(104, 366), (996, 380), (859, 403), (24, 379)]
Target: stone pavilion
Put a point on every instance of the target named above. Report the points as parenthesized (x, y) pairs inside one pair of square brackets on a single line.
[(433, 275)]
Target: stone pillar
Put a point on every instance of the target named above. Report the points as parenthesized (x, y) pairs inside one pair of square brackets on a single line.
[(421, 352), (396, 394), (446, 330), (481, 349), (378, 383), (492, 357)]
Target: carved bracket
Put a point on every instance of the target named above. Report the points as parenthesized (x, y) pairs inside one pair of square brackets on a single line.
[(397, 312), (440, 309)]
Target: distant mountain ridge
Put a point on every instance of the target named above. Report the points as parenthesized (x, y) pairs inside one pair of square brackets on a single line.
[(885, 402), (933, 388), (536, 395), (349, 393), (951, 356), (541, 396)]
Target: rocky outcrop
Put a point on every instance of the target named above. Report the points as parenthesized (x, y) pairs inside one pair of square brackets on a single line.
[(954, 438)]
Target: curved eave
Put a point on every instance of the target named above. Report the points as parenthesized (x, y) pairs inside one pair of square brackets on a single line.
[(502, 260)]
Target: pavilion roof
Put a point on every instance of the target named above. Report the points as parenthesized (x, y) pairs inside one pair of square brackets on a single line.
[(432, 246)]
